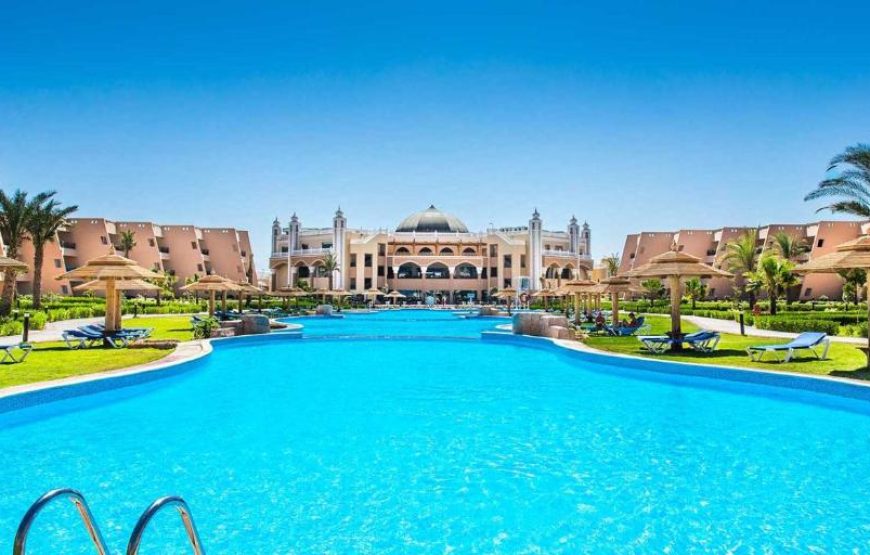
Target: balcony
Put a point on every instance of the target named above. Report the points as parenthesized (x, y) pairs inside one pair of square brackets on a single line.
[(566, 254), (312, 252)]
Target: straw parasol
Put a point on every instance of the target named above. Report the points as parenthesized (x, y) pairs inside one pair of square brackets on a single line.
[(545, 294), (578, 288), (373, 293), (675, 266), (211, 284), (395, 295), (615, 285), (294, 292), (245, 287), (851, 255), (508, 294), (126, 285), (12, 264), (111, 269)]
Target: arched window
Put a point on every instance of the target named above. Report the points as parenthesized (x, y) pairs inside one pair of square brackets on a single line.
[(303, 272), (437, 271), (403, 250), (446, 251), (552, 272), (465, 271), (409, 270), (567, 273), (469, 251), (319, 270), (425, 251)]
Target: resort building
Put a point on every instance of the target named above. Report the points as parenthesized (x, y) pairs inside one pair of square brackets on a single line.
[(710, 245), (181, 250), (430, 253)]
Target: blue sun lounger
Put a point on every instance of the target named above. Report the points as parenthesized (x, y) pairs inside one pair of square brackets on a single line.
[(9, 352), (623, 331), (811, 341), (703, 341)]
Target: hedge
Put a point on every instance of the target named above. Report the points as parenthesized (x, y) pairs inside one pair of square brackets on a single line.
[(797, 325)]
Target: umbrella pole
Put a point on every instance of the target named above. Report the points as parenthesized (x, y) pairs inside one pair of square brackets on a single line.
[(211, 304), (576, 308), (224, 304), (676, 331), (614, 300), (111, 302), (868, 320)]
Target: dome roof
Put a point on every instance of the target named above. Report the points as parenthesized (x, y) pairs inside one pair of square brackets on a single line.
[(430, 220)]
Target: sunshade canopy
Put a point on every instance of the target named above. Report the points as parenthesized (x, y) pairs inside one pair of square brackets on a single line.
[(110, 266)]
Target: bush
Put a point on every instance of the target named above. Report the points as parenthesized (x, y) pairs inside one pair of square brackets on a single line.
[(797, 325)]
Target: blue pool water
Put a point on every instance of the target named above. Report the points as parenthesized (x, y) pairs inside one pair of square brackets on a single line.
[(429, 323), (324, 445)]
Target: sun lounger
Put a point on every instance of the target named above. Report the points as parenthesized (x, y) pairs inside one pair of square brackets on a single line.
[(78, 338), (703, 341), (810, 341), (93, 334), (623, 331), (9, 352)]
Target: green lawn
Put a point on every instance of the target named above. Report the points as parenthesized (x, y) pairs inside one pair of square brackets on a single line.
[(53, 360), (843, 360), (165, 327)]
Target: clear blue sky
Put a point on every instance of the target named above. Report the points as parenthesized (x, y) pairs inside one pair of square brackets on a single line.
[(631, 115)]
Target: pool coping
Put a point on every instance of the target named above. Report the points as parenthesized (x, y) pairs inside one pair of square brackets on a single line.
[(783, 379)]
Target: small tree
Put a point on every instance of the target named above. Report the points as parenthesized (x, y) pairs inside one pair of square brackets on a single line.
[(696, 290), (611, 264), (654, 288), (774, 275), (853, 281), (128, 241), (16, 210), (741, 258), (330, 266)]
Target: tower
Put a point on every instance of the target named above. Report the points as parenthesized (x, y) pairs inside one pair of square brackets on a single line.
[(339, 232), (574, 236), (536, 251), (276, 233), (586, 239), (293, 233)]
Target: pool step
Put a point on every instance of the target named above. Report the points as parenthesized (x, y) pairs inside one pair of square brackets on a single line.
[(20, 544)]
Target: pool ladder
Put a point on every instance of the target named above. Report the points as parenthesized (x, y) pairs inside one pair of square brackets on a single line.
[(19, 546)]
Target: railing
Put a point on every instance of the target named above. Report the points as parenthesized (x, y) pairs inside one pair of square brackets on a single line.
[(566, 254), (311, 252), (67, 244), (204, 252), (19, 546), (164, 250), (156, 507)]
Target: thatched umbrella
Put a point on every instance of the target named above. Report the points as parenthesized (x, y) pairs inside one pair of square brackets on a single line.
[(615, 285), (373, 293), (508, 294), (577, 288), (211, 284), (338, 294), (294, 292), (13, 267), (111, 269), (246, 288), (545, 294), (675, 266), (851, 255)]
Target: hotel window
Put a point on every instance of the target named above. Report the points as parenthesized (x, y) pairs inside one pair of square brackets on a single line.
[(151, 243), (508, 261), (58, 263), (283, 249), (325, 245), (367, 261), (380, 271), (367, 283), (303, 246), (382, 249), (353, 261), (425, 251), (235, 248), (390, 273), (64, 289), (820, 243), (402, 250), (199, 267), (193, 245), (507, 283), (493, 272), (353, 283), (493, 251), (808, 291), (483, 273), (522, 261), (103, 240)]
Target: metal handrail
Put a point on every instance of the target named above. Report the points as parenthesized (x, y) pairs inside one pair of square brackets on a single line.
[(78, 500), (157, 506)]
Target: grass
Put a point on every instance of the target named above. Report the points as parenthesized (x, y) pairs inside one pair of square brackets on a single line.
[(53, 360), (843, 360)]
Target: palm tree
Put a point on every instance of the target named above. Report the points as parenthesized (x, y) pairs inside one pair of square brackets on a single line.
[(850, 187), (330, 265), (653, 287), (696, 290), (788, 247), (15, 213), (611, 263), (774, 275), (42, 228), (128, 241), (741, 259), (853, 281)]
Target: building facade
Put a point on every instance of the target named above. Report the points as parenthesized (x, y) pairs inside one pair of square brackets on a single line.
[(181, 250), (710, 245), (430, 253)]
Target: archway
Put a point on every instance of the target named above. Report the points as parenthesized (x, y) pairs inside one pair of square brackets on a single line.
[(409, 270), (437, 270), (465, 271)]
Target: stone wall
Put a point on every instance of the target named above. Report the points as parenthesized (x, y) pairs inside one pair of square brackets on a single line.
[(540, 324)]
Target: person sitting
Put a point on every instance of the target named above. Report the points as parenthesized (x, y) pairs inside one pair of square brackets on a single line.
[(632, 320), (599, 321)]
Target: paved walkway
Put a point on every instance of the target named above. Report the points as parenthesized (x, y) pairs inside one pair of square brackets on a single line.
[(53, 330), (733, 327)]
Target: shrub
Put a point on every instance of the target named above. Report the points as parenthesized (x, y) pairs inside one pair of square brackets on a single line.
[(797, 325)]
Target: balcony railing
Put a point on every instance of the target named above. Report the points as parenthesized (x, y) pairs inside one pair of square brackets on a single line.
[(311, 252), (566, 254)]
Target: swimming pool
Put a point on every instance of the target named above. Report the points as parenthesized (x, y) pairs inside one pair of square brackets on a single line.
[(429, 445)]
